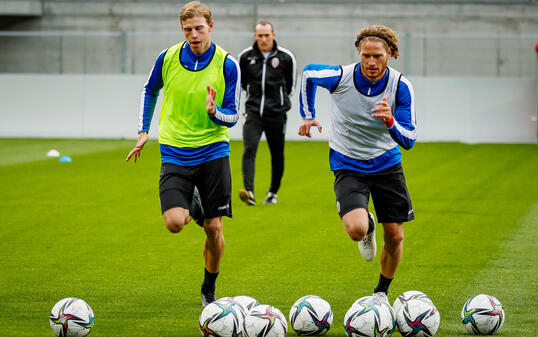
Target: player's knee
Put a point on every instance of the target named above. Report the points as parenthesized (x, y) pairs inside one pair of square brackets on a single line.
[(174, 227), (174, 222), (213, 228), (394, 239), (355, 231)]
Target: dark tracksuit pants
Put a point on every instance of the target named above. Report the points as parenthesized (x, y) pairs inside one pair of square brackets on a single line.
[(252, 132)]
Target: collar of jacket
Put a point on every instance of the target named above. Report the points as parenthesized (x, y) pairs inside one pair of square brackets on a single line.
[(189, 59), (271, 54), (364, 84)]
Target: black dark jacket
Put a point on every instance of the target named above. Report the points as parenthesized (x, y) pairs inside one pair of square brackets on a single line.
[(278, 75)]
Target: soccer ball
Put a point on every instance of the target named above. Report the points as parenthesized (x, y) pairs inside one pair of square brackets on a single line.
[(265, 321), (371, 317), (222, 318), (482, 315), (311, 315), (364, 298), (247, 302), (418, 318), (406, 296), (71, 317)]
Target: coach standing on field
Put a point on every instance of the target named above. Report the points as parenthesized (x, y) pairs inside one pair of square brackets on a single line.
[(268, 77)]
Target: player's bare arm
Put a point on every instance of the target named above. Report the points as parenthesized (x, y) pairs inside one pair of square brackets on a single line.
[(210, 100), (136, 152), (383, 110), (306, 124)]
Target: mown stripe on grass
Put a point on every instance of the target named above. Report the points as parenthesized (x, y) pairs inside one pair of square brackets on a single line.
[(511, 276)]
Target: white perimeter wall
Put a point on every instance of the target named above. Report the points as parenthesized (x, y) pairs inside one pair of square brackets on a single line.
[(107, 106)]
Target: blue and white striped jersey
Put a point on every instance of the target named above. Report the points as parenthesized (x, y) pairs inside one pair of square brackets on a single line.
[(226, 115), (359, 141)]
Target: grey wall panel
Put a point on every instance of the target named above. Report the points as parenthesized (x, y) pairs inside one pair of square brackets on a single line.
[(107, 106)]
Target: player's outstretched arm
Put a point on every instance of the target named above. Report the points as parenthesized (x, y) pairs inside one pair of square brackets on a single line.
[(142, 139), (306, 124)]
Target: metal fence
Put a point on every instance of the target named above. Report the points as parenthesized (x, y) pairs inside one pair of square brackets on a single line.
[(60, 52)]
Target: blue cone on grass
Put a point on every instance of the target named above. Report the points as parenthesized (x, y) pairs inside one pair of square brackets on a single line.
[(65, 159)]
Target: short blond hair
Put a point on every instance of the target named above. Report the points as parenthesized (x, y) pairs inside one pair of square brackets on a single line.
[(379, 33), (195, 8)]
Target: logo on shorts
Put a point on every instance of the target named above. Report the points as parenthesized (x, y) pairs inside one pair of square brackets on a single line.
[(338, 206), (410, 212), (224, 207)]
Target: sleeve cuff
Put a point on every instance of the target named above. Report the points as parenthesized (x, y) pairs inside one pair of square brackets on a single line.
[(390, 123)]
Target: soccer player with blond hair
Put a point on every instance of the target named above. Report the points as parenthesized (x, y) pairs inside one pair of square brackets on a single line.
[(201, 84)]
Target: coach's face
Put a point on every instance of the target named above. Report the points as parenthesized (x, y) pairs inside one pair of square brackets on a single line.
[(265, 37), (374, 56), (197, 33)]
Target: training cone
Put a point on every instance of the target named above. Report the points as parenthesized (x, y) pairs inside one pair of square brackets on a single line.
[(65, 159), (53, 153)]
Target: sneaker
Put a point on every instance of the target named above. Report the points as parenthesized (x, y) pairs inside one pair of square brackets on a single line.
[(270, 198), (197, 211), (382, 297), (367, 246), (247, 197), (208, 297)]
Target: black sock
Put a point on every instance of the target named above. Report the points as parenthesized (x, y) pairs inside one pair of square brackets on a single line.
[(371, 225), (383, 285), (209, 281)]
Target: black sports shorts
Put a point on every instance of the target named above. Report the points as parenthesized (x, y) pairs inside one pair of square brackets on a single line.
[(391, 199), (214, 182)]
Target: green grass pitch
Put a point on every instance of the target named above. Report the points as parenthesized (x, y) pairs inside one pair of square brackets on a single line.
[(92, 229)]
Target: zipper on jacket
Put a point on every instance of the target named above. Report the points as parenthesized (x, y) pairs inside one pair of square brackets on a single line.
[(262, 101), (281, 97), (196, 64)]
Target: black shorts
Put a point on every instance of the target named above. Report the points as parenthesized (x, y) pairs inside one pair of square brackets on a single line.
[(389, 193), (214, 182)]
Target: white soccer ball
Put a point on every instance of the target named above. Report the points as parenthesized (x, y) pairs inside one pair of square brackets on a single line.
[(369, 316), (409, 295), (482, 315), (222, 318), (71, 317), (364, 298), (265, 321), (247, 302), (418, 318), (311, 315)]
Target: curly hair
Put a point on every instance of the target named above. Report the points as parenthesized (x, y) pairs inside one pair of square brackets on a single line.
[(376, 33), (195, 8)]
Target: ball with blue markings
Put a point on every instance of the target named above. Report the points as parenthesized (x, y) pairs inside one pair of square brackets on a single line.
[(311, 315)]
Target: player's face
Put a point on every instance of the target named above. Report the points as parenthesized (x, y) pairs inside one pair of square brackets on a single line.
[(374, 57), (196, 32), (264, 38)]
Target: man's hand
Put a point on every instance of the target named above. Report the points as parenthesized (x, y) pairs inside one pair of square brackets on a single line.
[(210, 100), (306, 124), (384, 111), (142, 139)]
